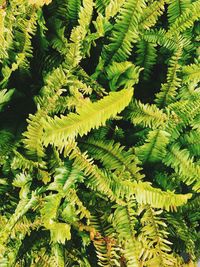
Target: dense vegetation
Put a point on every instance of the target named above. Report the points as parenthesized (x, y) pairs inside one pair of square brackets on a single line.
[(100, 133)]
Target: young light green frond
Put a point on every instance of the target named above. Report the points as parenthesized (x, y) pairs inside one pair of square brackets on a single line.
[(168, 90), (39, 3), (78, 34), (146, 57), (147, 115), (156, 250), (33, 141), (183, 164), (113, 8), (151, 14), (154, 149), (123, 74), (49, 212), (176, 8), (24, 33), (94, 115), (125, 32), (113, 156), (146, 194), (191, 73)]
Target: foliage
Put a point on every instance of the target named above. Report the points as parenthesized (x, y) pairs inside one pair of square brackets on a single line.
[(99, 137)]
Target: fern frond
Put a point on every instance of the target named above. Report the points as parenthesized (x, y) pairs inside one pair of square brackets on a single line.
[(59, 130), (176, 8), (124, 221), (49, 212), (125, 32), (79, 33), (122, 74), (154, 148), (168, 89), (192, 142), (159, 37), (34, 133), (97, 180), (113, 156), (151, 14), (23, 206), (186, 20), (147, 115), (146, 57), (26, 29), (191, 73), (73, 9), (156, 198), (183, 164), (65, 177), (105, 241), (156, 249), (113, 8), (101, 5)]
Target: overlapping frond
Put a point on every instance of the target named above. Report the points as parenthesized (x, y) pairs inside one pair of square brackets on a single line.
[(59, 130)]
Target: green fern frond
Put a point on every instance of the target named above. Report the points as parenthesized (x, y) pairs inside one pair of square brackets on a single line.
[(191, 73), (151, 14), (65, 177), (124, 220), (160, 37), (73, 9), (125, 32), (105, 241), (122, 74), (176, 8), (186, 20), (146, 194), (147, 115), (59, 130), (113, 156), (181, 161), (154, 148), (97, 180), (101, 5), (156, 249), (168, 89), (146, 57), (192, 142)]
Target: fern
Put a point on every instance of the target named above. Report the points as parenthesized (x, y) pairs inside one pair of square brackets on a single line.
[(124, 32), (176, 9), (58, 130), (146, 57), (90, 174)]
